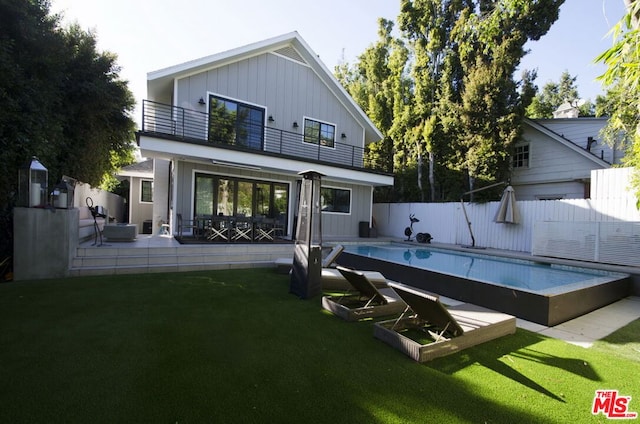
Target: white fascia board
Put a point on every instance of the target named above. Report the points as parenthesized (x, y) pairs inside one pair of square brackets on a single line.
[(215, 59), (137, 174), (167, 149)]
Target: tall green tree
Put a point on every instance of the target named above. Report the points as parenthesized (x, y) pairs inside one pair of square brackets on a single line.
[(379, 83), (469, 108), (492, 107), (62, 101), (622, 78), (427, 25), (554, 94)]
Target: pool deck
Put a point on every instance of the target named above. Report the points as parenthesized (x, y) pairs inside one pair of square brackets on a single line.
[(581, 331), (586, 329)]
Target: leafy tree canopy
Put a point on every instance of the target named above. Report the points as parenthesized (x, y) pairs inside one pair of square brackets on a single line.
[(622, 78), (62, 101), (444, 94)]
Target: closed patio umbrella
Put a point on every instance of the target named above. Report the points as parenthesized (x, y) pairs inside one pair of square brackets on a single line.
[(508, 210)]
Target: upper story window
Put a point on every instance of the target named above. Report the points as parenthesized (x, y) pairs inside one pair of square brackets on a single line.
[(146, 191), (235, 123), (521, 156), (316, 132)]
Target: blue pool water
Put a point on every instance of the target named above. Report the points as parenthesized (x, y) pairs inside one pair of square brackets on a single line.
[(521, 274)]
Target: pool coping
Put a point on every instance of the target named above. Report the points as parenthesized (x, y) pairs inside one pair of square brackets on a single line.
[(544, 309)]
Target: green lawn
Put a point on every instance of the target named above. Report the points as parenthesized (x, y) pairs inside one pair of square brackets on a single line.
[(236, 347)]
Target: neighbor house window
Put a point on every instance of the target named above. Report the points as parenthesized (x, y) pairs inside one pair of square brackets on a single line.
[(521, 156), (335, 200), (146, 191), (316, 132)]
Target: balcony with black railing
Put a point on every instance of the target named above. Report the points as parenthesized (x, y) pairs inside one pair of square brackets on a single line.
[(191, 126)]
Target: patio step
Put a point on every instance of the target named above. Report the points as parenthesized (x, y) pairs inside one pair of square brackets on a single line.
[(121, 259)]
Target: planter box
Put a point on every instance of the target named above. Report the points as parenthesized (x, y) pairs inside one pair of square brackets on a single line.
[(120, 232)]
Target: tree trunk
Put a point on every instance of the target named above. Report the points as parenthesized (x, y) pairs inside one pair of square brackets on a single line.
[(420, 176), (432, 177)]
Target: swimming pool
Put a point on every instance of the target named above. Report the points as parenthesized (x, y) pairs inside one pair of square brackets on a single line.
[(540, 292)]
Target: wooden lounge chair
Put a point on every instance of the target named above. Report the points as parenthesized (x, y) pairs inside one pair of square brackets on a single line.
[(364, 300), (284, 264), (427, 330)]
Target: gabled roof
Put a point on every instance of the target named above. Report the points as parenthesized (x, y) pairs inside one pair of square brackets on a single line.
[(142, 169), (567, 143), (291, 45)]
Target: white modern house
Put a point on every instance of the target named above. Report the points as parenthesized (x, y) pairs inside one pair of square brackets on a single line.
[(555, 157), (230, 133)]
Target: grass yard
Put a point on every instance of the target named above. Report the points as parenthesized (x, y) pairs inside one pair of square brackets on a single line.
[(235, 347)]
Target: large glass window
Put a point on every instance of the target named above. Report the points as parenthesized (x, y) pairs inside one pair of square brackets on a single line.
[(316, 132), (235, 123), (335, 200)]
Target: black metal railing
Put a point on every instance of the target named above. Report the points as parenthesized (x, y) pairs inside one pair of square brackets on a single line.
[(198, 127)]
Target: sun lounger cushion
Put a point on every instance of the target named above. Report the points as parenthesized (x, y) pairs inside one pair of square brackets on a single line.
[(332, 279)]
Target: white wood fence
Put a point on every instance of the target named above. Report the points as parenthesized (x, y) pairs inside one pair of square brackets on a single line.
[(446, 222), (611, 202)]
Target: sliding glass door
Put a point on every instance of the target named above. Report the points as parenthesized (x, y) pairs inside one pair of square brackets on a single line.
[(218, 195)]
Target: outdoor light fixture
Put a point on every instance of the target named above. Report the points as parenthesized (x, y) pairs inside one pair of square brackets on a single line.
[(32, 184), (343, 135), (201, 101), (271, 118), (295, 124)]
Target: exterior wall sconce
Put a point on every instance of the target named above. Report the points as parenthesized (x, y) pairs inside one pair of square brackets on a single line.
[(201, 101), (271, 118), (295, 124), (343, 135)]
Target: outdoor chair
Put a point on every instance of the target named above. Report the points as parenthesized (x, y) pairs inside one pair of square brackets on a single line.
[(284, 264), (187, 225), (427, 329), (362, 299), (332, 255), (264, 229), (220, 229), (242, 230)]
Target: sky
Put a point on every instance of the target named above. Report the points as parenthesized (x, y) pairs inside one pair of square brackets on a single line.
[(148, 35)]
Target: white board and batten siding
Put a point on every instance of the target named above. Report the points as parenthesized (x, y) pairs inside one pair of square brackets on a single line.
[(288, 89)]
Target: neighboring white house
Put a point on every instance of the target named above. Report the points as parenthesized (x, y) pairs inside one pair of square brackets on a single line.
[(139, 209), (555, 157), (230, 133)]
